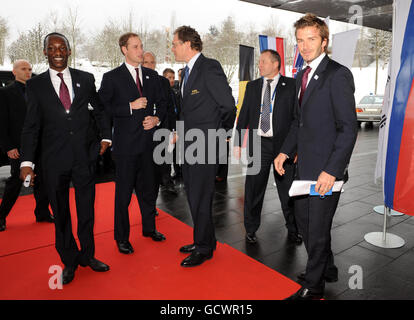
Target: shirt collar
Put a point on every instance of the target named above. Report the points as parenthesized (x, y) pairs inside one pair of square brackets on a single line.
[(132, 68), (54, 72), (275, 79), (192, 61), (315, 63)]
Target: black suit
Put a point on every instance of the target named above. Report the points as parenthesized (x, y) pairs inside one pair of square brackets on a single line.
[(282, 118), (69, 151), (323, 135), (12, 113), (132, 145), (207, 103)]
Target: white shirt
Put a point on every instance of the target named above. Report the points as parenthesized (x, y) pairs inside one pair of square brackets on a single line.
[(56, 81), (273, 85), (133, 73), (190, 66)]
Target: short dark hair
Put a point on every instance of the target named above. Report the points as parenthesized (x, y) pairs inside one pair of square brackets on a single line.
[(168, 70), (274, 55), (55, 34), (123, 40), (186, 33)]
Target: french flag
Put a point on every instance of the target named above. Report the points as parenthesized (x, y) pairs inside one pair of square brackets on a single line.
[(277, 44), (397, 156), (297, 62)]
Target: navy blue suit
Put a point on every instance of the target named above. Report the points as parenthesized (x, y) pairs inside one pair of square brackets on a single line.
[(323, 136), (207, 103), (132, 145)]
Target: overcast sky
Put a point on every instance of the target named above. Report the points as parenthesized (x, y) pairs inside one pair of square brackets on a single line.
[(200, 14)]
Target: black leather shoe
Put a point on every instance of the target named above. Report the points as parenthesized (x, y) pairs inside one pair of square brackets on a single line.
[(48, 218), (155, 235), (188, 248), (96, 265), (327, 278), (305, 294), (68, 274), (295, 238), (251, 237), (2, 224), (124, 247), (195, 259)]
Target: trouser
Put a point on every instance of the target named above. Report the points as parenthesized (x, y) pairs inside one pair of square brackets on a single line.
[(255, 189), (137, 173), (314, 217), (82, 175)]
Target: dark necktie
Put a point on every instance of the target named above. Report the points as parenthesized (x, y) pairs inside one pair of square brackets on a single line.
[(64, 95), (304, 83), (265, 122), (138, 82), (186, 74)]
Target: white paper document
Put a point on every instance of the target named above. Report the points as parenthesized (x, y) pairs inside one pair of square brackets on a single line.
[(302, 187)]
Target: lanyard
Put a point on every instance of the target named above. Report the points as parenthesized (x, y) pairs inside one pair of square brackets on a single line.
[(271, 103)]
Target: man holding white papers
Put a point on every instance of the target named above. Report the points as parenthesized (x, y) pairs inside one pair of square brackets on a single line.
[(323, 136)]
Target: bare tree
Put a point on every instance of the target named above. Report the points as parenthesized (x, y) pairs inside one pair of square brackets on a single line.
[(72, 29), (223, 45), (29, 46), (4, 32)]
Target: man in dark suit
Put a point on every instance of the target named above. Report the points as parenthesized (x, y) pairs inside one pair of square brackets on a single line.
[(176, 99), (12, 112), (207, 104), (58, 117), (163, 171), (131, 93), (267, 111), (323, 136)]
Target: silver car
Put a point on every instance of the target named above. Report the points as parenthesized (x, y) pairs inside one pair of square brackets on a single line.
[(369, 108)]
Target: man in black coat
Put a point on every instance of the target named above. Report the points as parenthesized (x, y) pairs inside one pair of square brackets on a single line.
[(131, 94), (58, 117), (12, 113), (207, 105), (267, 112), (163, 171), (323, 136)]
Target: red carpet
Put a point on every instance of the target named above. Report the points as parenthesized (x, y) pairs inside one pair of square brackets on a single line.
[(153, 272)]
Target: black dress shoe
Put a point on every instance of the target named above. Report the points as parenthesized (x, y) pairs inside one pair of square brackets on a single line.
[(155, 235), (96, 265), (251, 237), (2, 224), (48, 218), (68, 274), (195, 259), (306, 294), (124, 247), (327, 278), (188, 248), (295, 238)]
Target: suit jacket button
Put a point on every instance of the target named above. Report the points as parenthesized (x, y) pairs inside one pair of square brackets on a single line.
[(71, 133), (301, 124)]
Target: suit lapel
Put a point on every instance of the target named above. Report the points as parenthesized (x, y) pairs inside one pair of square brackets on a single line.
[(128, 80), (76, 85), (257, 102), (316, 79), (145, 80), (193, 75), (49, 87)]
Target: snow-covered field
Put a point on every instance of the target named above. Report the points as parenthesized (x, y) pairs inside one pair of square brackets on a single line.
[(364, 78)]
